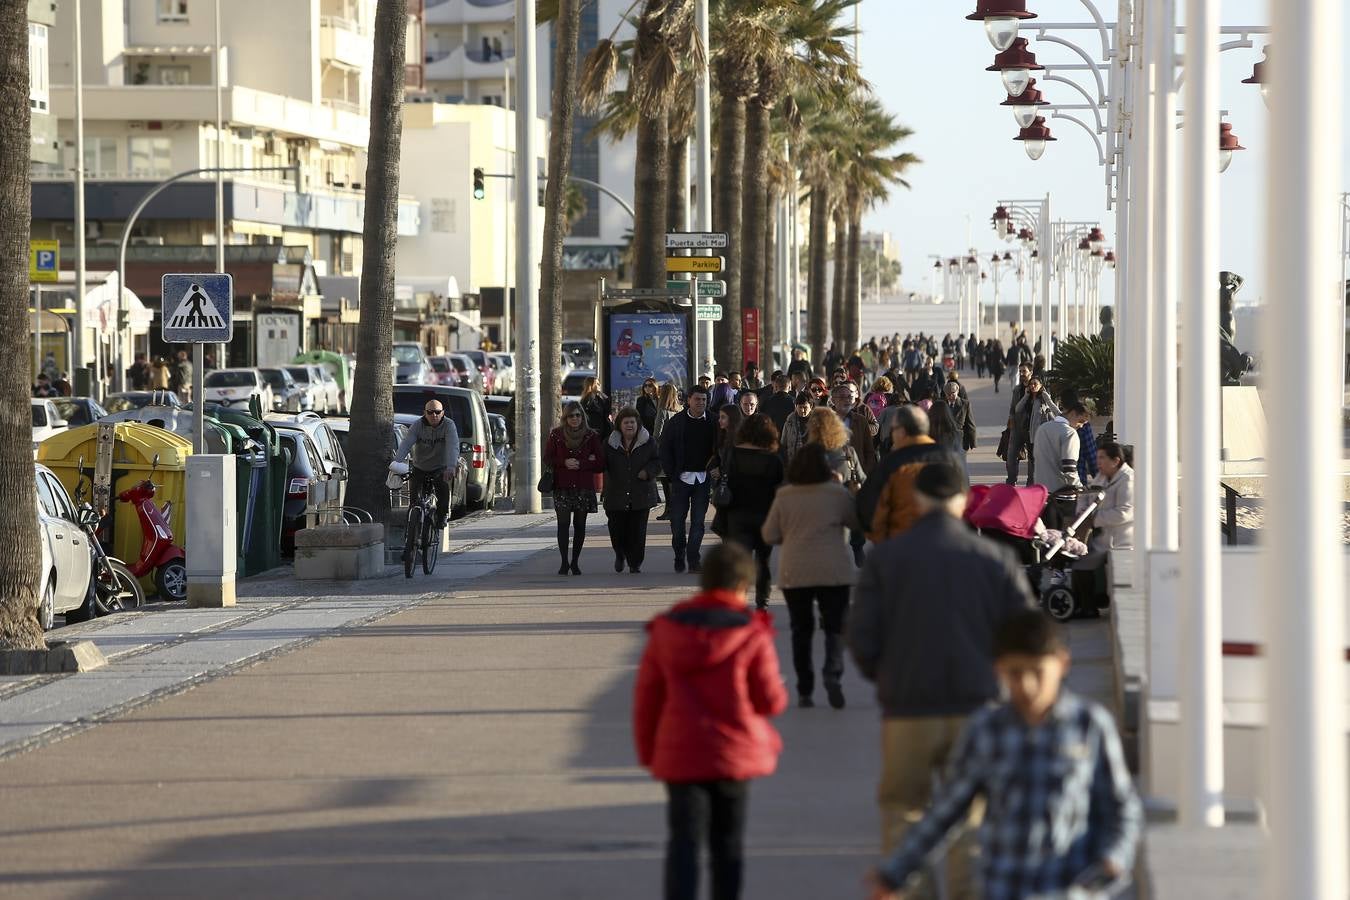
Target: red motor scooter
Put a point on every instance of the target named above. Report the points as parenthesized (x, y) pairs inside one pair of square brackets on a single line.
[(159, 553)]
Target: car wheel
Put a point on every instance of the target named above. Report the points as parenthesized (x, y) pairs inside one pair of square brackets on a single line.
[(47, 608)]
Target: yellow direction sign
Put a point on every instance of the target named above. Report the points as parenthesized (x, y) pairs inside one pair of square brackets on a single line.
[(44, 261), (694, 263)]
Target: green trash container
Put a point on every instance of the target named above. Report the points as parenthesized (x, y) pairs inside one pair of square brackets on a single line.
[(260, 480)]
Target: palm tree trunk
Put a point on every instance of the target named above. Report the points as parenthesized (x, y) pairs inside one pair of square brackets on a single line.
[(22, 559), (372, 410), (840, 277), (649, 200), (727, 218), (754, 214), (853, 285), (567, 28), (817, 297), (773, 302), (677, 185)]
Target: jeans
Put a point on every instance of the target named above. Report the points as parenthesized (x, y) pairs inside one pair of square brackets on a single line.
[(744, 529), (628, 534), (711, 811), (801, 602), (442, 488), (687, 501)]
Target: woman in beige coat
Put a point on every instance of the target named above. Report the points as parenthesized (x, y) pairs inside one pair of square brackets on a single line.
[(811, 517)]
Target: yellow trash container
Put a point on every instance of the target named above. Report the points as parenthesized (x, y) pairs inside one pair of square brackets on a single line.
[(134, 448)]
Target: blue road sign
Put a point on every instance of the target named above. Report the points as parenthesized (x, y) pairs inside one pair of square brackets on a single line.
[(198, 308)]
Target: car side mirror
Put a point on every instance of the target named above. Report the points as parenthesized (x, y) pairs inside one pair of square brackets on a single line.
[(87, 517)]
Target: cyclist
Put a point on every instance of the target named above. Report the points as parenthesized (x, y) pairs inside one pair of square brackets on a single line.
[(434, 442)]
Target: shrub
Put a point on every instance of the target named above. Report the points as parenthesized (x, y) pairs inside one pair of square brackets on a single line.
[(1086, 365)]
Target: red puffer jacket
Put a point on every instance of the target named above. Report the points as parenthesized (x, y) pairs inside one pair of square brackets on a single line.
[(590, 455), (706, 688)]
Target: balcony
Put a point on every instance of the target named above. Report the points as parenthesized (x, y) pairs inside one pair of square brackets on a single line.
[(341, 41), (468, 12), (462, 64)]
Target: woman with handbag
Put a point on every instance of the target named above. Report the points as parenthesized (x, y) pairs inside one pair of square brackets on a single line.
[(824, 427), (629, 493), (751, 475), (575, 458)]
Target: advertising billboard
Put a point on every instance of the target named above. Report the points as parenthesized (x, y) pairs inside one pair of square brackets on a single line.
[(641, 345)]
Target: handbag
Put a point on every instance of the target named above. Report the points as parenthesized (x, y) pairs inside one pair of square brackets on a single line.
[(546, 481), (1002, 452), (721, 492)]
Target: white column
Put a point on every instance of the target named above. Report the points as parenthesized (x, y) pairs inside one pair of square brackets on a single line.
[(1141, 325), (1304, 559), (1126, 420), (1046, 244), (77, 360), (1163, 233), (1021, 291), (995, 334), (703, 159), (507, 219), (1201, 685), (527, 262)]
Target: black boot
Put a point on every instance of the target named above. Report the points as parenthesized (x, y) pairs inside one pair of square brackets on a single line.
[(833, 670)]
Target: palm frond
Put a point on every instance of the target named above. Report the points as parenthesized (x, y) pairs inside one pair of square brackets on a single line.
[(597, 74)]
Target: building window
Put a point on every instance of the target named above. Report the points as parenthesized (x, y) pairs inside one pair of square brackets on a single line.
[(175, 75), (100, 157), (173, 10), (39, 98), (151, 156)]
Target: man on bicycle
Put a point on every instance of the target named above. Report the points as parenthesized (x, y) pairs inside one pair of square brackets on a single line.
[(434, 442)]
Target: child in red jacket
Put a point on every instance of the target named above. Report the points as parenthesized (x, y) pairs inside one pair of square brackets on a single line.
[(706, 688)]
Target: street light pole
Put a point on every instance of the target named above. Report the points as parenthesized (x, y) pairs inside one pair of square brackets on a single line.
[(527, 264), (1304, 562), (703, 130), (1162, 482), (198, 349), (77, 346)]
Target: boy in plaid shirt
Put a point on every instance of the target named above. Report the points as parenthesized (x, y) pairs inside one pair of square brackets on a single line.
[(1062, 817)]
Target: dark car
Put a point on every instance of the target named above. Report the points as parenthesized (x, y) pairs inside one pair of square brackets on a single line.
[(78, 411), (502, 454), (506, 408), (287, 395), (410, 364), (306, 470), (580, 353)]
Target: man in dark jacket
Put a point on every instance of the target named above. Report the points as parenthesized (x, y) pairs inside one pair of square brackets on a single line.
[(778, 405), (800, 366), (922, 627), (687, 454), (860, 422)]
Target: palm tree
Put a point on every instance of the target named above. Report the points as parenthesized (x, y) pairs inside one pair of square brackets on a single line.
[(20, 564), (558, 197), (734, 85), (372, 399), (839, 216), (823, 132)]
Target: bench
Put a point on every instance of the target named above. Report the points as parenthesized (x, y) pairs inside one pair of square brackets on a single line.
[(339, 552)]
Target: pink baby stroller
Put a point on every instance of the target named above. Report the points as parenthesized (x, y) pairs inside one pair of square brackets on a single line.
[(1012, 516)]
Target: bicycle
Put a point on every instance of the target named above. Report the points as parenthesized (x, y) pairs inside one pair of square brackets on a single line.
[(422, 533)]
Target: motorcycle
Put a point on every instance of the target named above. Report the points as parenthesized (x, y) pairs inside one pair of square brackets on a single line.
[(112, 586), (159, 553)]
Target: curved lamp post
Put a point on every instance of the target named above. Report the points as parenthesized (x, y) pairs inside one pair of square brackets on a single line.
[(1016, 65), (1001, 20)]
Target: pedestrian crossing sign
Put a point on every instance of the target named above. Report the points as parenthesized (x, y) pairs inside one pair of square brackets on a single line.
[(197, 308)]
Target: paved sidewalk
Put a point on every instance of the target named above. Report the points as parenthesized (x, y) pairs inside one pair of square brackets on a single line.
[(471, 743)]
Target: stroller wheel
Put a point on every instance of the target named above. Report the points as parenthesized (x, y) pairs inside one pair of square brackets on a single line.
[(1060, 603)]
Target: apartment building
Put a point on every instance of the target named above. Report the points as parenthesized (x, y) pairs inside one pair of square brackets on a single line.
[(41, 17), (295, 92)]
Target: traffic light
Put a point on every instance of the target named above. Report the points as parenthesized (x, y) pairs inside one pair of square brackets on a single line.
[(479, 190)]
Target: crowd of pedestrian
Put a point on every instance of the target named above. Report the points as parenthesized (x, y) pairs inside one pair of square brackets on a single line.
[(870, 450)]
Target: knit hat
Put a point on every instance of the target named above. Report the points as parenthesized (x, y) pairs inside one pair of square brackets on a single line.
[(939, 481)]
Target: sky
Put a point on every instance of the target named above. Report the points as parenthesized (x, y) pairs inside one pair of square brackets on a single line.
[(926, 63)]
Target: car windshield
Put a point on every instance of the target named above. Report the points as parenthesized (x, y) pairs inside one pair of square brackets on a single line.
[(39, 414), (299, 373), (459, 362), (227, 378), (274, 378), (580, 352), (407, 353), (478, 356), (439, 364)]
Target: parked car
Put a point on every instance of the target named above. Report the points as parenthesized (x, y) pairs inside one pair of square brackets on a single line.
[(67, 564), (469, 376), (287, 395), (444, 370), (580, 353), (506, 408), (466, 409), (458, 488), (484, 366), (410, 364), (318, 471), (47, 420), (322, 394), (501, 453), (506, 373), (79, 411), (574, 382), (234, 387), (124, 400)]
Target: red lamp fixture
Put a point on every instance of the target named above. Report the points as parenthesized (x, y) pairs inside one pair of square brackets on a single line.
[(1085, 248), (1027, 237), (1007, 257), (937, 264), (1110, 259), (1096, 239), (1016, 65), (1034, 137), (1228, 142), (1003, 224), (1001, 20), (1025, 105), (1258, 77), (972, 265)]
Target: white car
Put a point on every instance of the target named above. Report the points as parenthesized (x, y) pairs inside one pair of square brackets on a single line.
[(506, 373), (67, 564), (47, 420), (234, 387), (322, 388)]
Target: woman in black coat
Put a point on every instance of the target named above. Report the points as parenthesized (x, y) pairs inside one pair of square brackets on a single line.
[(754, 472), (631, 467), (648, 402), (997, 366)]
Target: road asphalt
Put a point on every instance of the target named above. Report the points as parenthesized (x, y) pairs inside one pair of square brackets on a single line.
[(475, 745)]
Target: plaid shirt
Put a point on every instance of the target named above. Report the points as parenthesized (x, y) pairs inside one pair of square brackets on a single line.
[(1087, 453), (1059, 802)]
